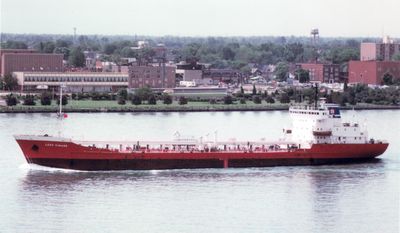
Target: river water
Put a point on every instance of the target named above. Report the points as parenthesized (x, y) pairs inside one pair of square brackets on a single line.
[(337, 198)]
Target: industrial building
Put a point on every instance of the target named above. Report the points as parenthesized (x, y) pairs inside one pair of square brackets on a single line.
[(379, 51), (152, 76), (325, 73), (25, 60), (74, 81), (372, 72)]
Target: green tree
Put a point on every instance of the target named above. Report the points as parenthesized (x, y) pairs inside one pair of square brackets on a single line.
[(76, 57), (339, 55), (281, 71), (284, 98), (190, 52), (228, 99), (228, 53), (128, 52), (145, 55), (63, 43), (242, 101), (64, 100), (257, 99), (387, 79), (29, 100), (122, 94), (62, 50), (9, 82), (121, 101), (303, 75), (167, 99), (144, 92), (11, 100), (11, 44), (254, 91), (270, 100), (152, 100), (293, 52), (48, 47), (109, 49), (45, 98), (45, 47), (182, 100), (136, 100)]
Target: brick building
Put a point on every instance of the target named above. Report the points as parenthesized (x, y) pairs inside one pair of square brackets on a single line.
[(223, 75), (42, 62), (14, 51), (372, 72), (152, 76), (326, 73), (379, 51)]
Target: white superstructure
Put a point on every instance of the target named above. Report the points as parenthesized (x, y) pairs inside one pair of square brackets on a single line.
[(323, 125)]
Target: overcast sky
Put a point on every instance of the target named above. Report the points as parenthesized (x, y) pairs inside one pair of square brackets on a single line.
[(347, 18)]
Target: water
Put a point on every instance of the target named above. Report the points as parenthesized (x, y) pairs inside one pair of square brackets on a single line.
[(341, 198)]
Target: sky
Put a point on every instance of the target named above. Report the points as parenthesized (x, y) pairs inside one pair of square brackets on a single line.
[(333, 18)]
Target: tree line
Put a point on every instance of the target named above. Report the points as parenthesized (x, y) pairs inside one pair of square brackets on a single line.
[(351, 96), (220, 52)]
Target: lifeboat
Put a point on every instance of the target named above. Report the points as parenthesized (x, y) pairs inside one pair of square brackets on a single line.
[(322, 132)]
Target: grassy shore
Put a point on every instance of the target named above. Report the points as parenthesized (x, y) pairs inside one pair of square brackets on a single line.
[(113, 106)]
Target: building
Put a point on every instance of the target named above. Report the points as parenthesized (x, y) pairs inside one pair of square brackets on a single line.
[(90, 59), (190, 72), (372, 72), (75, 81), (14, 51), (151, 76), (379, 51), (200, 91), (119, 69), (31, 62), (217, 76), (325, 73), (264, 71)]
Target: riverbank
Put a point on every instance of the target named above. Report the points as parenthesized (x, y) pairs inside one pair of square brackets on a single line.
[(112, 106)]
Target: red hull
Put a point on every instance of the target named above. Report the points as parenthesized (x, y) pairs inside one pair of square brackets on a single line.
[(73, 156)]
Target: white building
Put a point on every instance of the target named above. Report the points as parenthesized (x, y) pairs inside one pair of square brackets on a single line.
[(75, 81)]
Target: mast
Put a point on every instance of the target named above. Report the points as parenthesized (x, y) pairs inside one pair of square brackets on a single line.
[(60, 110), (316, 96)]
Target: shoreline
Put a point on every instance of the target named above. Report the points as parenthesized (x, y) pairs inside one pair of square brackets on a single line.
[(147, 108)]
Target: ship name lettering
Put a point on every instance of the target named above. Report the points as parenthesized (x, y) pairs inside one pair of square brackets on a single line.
[(55, 145)]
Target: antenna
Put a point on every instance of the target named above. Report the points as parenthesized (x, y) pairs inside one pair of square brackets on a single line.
[(74, 35)]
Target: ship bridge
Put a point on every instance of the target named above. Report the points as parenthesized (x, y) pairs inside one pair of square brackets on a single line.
[(322, 124)]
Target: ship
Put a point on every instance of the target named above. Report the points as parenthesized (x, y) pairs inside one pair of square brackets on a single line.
[(317, 137)]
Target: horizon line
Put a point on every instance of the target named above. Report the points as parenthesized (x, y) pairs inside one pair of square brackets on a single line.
[(192, 36)]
